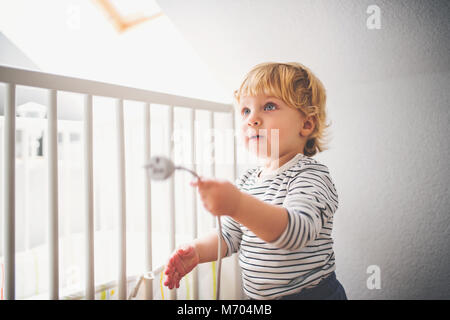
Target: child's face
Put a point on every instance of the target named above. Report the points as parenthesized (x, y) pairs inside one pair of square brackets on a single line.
[(263, 112)]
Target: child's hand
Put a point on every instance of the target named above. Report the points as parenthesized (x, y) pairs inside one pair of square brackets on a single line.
[(220, 197), (180, 263)]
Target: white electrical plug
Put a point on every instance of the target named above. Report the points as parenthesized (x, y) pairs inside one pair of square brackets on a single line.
[(160, 168)]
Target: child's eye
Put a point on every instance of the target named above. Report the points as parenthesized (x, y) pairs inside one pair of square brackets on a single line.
[(270, 105)]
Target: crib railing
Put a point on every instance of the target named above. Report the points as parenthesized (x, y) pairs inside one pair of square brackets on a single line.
[(13, 77)]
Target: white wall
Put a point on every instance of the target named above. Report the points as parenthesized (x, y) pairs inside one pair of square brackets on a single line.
[(389, 159)]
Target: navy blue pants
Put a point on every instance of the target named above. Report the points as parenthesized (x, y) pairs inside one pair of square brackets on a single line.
[(328, 289)]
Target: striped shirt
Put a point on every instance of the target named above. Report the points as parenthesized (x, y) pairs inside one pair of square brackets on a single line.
[(303, 254)]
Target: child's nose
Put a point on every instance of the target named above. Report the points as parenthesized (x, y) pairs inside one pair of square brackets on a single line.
[(254, 122)]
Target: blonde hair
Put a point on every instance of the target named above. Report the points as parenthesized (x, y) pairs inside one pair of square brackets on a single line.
[(299, 88)]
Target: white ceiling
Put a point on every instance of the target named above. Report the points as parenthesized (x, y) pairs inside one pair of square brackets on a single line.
[(76, 38), (331, 37)]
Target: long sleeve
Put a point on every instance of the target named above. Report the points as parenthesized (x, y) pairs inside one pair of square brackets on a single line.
[(232, 234), (231, 230), (310, 201)]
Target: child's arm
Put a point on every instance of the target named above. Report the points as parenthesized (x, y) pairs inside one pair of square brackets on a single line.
[(186, 258), (269, 222), (310, 201), (219, 197), (207, 247)]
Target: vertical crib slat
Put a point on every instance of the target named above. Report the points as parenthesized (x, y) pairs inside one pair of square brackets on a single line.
[(213, 160), (122, 282), (213, 173), (237, 275), (213, 167), (9, 192), (233, 124), (148, 206), (89, 197), (173, 293), (194, 202), (52, 121)]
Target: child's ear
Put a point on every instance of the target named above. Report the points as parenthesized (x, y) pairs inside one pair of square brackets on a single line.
[(308, 126)]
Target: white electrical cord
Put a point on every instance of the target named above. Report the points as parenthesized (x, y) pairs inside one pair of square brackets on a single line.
[(161, 168), (219, 257)]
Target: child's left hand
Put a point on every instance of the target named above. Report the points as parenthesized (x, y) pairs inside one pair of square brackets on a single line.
[(220, 197)]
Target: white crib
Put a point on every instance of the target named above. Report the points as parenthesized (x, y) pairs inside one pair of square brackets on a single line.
[(54, 133)]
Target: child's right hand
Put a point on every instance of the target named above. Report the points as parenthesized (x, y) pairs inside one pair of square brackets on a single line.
[(182, 261)]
